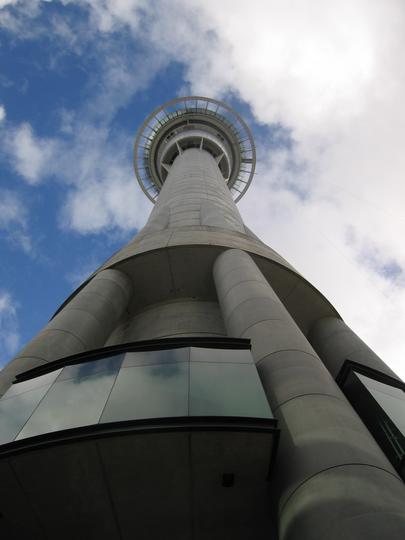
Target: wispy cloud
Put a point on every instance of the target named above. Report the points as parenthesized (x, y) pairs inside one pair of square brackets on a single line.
[(83, 270), (93, 167), (29, 154), (92, 164), (103, 194), (13, 220), (9, 332), (16, 16)]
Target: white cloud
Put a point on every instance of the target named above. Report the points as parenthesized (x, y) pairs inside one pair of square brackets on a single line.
[(9, 333), (29, 153), (12, 209), (13, 220), (109, 202), (4, 3), (122, 75), (95, 170), (103, 193), (110, 15), (18, 20), (2, 113)]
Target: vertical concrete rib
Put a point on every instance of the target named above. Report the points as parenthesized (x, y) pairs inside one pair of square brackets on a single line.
[(332, 478), (84, 323), (335, 342)]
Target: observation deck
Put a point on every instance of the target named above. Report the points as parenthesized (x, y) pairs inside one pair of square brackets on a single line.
[(194, 122)]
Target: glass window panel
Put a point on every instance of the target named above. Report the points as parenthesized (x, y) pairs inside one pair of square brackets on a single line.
[(226, 390), (390, 399), (235, 356), (141, 358), (108, 365), (15, 411), (77, 401), (382, 387), (154, 391), (32, 384)]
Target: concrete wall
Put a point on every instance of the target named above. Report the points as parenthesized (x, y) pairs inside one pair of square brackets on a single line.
[(333, 480), (179, 318)]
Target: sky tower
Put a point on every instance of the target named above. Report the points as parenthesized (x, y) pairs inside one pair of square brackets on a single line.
[(196, 386)]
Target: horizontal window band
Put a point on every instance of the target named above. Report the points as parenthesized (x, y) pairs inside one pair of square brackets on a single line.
[(136, 346)]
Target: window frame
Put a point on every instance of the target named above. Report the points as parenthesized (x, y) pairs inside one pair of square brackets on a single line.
[(135, 346), (375, 412)]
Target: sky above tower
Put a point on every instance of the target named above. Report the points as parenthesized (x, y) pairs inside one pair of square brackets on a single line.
[(321, 84)]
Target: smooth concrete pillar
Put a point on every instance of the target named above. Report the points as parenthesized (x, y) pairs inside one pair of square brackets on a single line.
[(335, 342), (84, 323), (332, 480), (195, 194)]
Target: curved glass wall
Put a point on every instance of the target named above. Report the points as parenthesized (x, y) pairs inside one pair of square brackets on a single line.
[(136, 385)]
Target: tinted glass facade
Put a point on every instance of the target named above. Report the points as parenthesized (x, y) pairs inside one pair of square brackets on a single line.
[(382, 408), (136, 385)]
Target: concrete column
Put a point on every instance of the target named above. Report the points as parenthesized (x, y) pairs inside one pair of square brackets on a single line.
[(332, 480), (335, 342), (83, 324)]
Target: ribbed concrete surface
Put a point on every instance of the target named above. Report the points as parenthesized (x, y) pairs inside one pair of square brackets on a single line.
[(195, 193)]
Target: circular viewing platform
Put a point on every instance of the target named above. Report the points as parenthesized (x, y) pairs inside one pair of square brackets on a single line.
[(194, 122)]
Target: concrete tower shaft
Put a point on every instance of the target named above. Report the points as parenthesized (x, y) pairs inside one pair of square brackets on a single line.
[(195, 194)]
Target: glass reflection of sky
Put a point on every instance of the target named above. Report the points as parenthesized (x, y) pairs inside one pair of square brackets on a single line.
[(135, 385), (32, 384), (155, 391), (18, 403), (390, 399), (141, 358), (15, 411), (79, 372), (74, 402), (166, 371), (225, 389)]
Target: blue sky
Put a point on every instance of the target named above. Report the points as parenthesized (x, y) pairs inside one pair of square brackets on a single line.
[(320, 84)]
